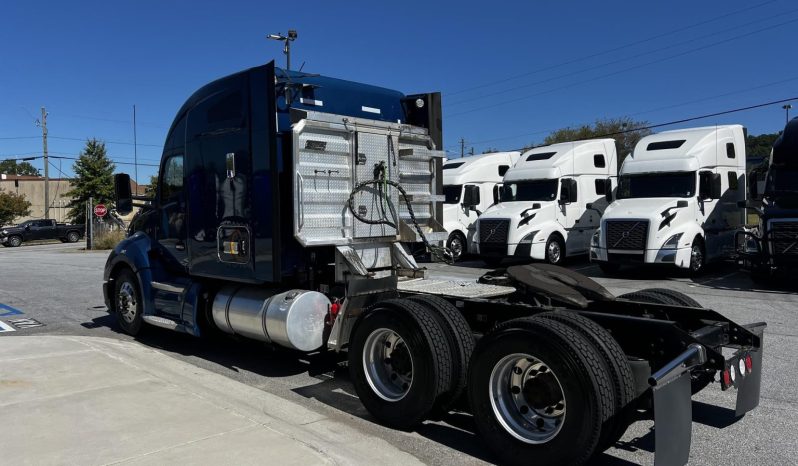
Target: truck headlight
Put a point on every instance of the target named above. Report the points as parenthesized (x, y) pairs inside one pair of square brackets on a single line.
[(673, 242), (594, 240), (528, 238), (4, 232)]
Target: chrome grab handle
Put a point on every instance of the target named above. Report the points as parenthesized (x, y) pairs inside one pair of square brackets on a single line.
[(694, 355), (300, 181)]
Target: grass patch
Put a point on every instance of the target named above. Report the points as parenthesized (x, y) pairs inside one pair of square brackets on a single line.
[(108, 239)]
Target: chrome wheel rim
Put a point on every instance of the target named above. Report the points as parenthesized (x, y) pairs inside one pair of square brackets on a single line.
[(388, 364), (697, 257), (456, 246), (15, 241), (554, 252), (73, 238), (527, 398), (126, 302)]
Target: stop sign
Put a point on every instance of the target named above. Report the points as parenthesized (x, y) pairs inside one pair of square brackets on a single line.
[(100, 210)]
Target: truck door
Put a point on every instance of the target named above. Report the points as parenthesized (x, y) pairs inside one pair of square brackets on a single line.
[(172, 212), (568, 215)]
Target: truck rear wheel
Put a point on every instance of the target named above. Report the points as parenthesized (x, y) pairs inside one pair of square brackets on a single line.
[(620, 370), (461, 346), (73, 237), (697, 257), (540, 392), (127, 302), (400, 362)]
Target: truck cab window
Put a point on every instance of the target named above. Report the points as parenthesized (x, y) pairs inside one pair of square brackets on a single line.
[(452, 193), (172, 181)]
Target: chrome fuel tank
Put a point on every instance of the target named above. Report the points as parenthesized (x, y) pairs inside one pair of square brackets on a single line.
[(293, 319)]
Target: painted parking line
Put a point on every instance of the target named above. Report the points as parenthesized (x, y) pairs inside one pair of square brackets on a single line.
[(25, 323), (7, 311), (4, 327)]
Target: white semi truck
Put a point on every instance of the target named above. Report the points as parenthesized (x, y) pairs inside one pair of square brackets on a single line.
[(470, 187), (676, 201), (550, 202)]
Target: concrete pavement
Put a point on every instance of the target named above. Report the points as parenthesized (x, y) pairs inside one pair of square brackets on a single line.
[(88, 400)]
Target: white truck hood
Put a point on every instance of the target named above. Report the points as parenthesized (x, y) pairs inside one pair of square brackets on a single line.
[(513, 211), (642, 208)]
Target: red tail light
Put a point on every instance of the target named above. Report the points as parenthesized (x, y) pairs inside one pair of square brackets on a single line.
[(726, 377), (334, 309), (749, 363)]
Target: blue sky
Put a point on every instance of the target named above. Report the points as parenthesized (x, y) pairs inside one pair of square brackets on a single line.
[(509, 71)]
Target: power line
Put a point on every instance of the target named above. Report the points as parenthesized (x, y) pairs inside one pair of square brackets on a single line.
[(694, 118), (682, 104), (604, 52), (104, 141), (517, 99), (614, 62)]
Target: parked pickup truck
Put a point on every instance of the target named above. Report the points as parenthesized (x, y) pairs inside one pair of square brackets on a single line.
[(30, 230)]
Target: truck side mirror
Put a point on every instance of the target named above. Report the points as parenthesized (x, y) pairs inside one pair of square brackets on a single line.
[(681, 204), (124, 198), (565, 195), (704, 188), (753, 187), (608, 190), (471, 197)]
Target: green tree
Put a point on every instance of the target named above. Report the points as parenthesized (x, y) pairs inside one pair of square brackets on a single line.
[(759, 146), (623, 130), (94, 178), (12, 206), (151, 188), (12, 167)]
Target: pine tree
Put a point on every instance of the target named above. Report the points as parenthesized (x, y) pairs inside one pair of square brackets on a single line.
[(94, 178)]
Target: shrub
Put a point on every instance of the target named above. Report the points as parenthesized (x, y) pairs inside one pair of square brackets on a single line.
[(108, 239)]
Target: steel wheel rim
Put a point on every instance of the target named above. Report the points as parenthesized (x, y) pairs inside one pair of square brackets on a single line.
[(513, 405), (554, 252), (15, 241), (126, 302), (697, 257), (456, 246), (388, 364), (73, 237)]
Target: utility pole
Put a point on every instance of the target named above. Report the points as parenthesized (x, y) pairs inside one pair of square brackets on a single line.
[(43, 124), (135, 153), (462, 148)]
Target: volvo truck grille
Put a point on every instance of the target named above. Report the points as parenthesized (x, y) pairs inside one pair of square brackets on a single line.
[(627, 234), (493, 231), (785, 237)]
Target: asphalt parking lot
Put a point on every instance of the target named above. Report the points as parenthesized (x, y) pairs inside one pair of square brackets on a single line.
[(55, 288)]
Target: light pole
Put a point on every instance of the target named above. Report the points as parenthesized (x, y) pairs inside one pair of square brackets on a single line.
[(787, 108), (292, 35)]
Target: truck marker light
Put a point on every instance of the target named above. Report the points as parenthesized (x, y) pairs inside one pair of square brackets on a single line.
[(733, 374), (334, 309), (749, 363)]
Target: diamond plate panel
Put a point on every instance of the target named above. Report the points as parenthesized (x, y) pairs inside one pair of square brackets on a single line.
[(375, 148)]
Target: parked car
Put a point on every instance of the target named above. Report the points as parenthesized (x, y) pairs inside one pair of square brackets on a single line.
[(470, 187), (31, 230), (550, 204), (676, 201)]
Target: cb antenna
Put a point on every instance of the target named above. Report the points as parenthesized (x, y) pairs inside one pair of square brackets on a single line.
[(287, 39)]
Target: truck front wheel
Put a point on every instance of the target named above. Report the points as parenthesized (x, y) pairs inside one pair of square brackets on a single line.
[(399, 362), (540, 393), (14, 241), (456, 244), (555, 250), (127, 302)]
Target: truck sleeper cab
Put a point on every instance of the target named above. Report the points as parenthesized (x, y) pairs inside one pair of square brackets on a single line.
[(773, 244), (282, 201), (550, 203), (676, 202), (469, 184)]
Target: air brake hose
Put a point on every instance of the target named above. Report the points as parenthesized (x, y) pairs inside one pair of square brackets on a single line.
[(443, 254)]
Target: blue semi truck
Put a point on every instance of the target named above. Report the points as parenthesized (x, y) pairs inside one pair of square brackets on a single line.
[(283, 202)]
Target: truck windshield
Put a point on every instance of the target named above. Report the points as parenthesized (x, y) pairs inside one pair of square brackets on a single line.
[(675, 184), (534, 190), (452, 193)]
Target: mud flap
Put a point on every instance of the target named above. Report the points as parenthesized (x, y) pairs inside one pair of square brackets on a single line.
[(673, 421), (748, 387)]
